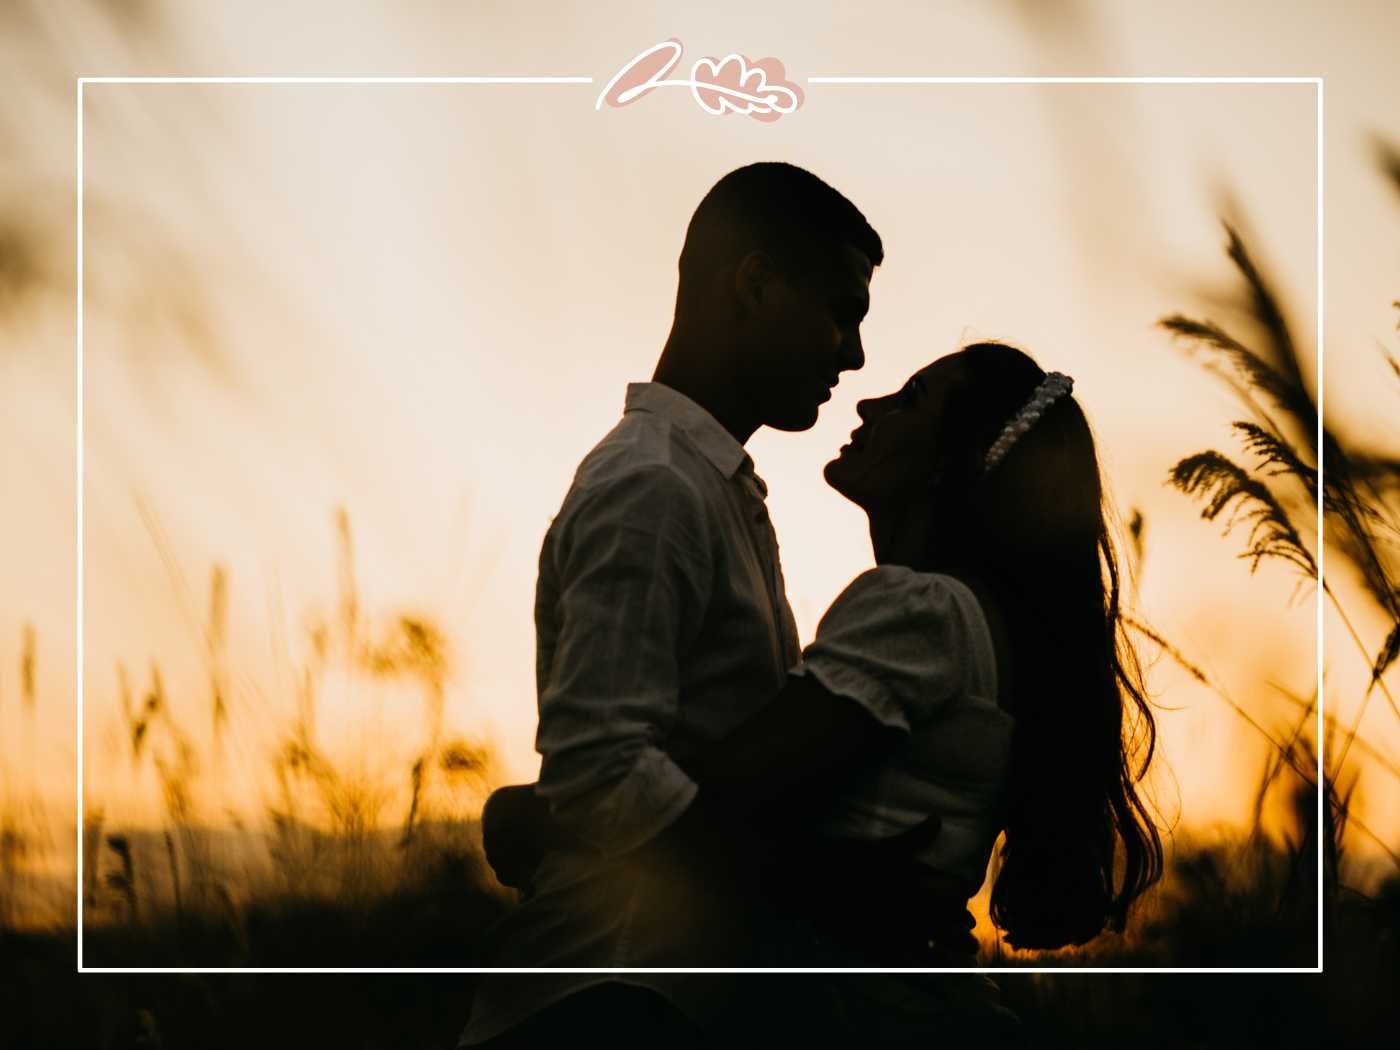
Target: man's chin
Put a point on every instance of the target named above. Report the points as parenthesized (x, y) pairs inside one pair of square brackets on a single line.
[(795, 421)]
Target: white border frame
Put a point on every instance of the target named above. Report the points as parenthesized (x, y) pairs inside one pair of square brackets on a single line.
[(1317, 82)]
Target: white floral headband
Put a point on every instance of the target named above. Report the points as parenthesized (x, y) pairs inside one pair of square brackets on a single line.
[(1053, 387)]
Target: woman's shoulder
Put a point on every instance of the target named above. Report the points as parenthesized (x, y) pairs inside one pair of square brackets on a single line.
[(939, 609), (894, 585), (899, 641), (894, 607)]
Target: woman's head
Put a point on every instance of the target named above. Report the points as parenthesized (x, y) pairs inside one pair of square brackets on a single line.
[(1033, 529), (922, 451)]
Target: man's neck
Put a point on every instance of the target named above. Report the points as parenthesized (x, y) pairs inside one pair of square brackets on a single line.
[(683, 368)]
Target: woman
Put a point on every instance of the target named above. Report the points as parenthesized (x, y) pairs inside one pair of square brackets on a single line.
[(976, 681)]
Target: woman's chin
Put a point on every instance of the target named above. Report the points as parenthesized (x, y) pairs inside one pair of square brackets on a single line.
[(838, 475)]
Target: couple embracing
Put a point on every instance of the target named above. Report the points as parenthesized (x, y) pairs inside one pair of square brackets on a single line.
[(714, 796)]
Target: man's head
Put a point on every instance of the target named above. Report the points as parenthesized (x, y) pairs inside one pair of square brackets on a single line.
[(774, 283)]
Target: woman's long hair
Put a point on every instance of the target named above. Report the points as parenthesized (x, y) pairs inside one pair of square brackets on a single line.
[(1035, 529)]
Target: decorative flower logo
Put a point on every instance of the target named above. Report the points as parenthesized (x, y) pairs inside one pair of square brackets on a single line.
[(732, 84), (736, 84)]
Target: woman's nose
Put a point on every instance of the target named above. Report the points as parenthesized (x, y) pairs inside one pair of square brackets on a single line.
[(863, 409)]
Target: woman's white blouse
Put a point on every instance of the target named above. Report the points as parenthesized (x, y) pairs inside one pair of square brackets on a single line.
[(914, 649)]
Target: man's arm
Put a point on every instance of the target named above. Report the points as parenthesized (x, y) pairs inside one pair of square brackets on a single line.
[(632, 565), (794, 754), (789, 759), (762, 785)]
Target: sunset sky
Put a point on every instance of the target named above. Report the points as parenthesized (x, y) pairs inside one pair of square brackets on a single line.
[(423, 303)]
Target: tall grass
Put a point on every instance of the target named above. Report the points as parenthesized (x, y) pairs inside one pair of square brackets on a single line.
[(1253, 900), (1274, 496), (26, 839), (328, 856)]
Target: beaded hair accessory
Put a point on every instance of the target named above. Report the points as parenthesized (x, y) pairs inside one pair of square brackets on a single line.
[(1053, 387)]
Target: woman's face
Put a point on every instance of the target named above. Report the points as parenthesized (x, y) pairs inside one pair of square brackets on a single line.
[(893, 456)]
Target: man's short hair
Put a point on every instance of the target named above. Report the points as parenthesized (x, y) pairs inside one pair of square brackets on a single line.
[(779, 208)]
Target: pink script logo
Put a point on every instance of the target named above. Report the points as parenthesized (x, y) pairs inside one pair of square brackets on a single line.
[(732, 84)]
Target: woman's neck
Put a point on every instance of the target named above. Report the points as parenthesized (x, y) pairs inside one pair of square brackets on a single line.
[(904, 536), (896, 537)]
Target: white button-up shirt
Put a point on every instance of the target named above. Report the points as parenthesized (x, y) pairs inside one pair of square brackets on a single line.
[(662, 623), (660, 616)]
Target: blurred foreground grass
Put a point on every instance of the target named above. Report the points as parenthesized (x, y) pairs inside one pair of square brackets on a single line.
[(1234, 902)]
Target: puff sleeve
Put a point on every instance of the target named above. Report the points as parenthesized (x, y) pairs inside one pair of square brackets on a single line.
[(894, 641)]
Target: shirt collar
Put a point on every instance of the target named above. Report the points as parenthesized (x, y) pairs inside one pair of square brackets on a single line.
[(714, 442)]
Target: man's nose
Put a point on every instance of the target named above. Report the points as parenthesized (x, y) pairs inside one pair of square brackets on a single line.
[(852, 357)]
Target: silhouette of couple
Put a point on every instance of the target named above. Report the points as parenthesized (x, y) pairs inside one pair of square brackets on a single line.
[(712, 794)]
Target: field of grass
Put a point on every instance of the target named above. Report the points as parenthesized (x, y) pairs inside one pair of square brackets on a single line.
[(1231, 903), (326, 879)]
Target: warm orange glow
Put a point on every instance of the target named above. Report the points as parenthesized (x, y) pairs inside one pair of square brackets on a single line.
[(422, 304)]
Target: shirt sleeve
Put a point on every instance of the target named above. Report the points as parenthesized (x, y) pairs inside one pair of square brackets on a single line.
[(633, 566), (892, 642)]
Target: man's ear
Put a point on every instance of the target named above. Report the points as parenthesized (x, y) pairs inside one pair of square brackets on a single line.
[(752, 277)]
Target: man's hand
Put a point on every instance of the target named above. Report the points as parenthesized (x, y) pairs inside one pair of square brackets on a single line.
[(517, 830)]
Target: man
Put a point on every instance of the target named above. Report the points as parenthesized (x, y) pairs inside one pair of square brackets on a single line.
[(662, 620)]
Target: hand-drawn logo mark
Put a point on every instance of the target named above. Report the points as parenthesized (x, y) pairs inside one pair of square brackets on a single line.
[(732, 84)]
